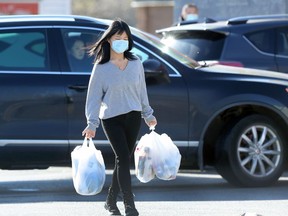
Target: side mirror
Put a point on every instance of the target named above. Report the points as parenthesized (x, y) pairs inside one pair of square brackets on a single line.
[(155, 72)]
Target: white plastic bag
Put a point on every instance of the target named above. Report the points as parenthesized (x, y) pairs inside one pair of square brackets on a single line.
[(165, 155), (143, 161), (156, 155), (88, 169)]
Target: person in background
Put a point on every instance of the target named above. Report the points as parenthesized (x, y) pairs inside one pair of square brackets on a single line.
[(78, 49), (189, 13), (117, 95), (77, 55)]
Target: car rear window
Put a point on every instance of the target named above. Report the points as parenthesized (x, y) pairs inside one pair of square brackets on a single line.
[(282, 41), (262, 40), (23, 50), (199, 45)]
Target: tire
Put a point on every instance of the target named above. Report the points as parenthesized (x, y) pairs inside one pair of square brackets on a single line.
[(252, 153)]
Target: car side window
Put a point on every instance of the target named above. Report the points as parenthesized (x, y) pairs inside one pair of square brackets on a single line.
[(144, 56), (77, 42), (282, 41), (198, 45), (23, 50), (140, 54), (262, 40)]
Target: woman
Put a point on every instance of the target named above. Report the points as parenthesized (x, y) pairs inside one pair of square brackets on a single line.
[(117, 95)]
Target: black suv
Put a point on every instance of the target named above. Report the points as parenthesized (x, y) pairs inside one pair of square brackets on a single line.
[(231, 118), (255, 42)]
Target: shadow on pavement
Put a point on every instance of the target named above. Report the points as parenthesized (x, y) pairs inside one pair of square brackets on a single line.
[(191, 186)]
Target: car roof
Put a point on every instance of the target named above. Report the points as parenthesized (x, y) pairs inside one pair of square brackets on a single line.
[(225, 26), (50, 19)]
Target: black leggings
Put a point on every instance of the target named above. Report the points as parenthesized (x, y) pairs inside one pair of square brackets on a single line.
[(122, 132)]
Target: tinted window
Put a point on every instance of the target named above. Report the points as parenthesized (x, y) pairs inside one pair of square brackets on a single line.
[(198, 45), (282, 41), (145, 57), (77, 42), (155, 42), (23, 50), (263, 40), (140, 54)]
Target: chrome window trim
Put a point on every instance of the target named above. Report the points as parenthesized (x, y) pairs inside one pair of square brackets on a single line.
[(58, 73), (27, 27), (282, 56), (31, 72)]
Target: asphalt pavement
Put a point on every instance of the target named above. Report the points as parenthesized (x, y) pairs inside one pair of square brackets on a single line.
[(51, 193)]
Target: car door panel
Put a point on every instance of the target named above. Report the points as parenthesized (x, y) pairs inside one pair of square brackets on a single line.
[(168, 98), (32, 102)]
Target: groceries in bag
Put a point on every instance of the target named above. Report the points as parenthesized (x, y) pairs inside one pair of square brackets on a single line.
[(88, 169), (165, 156), (143, 161), (156, 155)]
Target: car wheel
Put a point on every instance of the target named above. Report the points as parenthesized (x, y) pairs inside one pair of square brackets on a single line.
[(252, 153)]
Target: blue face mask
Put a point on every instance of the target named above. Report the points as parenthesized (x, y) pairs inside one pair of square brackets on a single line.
[(192, 17), (120, 46)]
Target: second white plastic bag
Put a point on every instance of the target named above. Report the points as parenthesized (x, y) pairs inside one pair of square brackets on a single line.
[(165, 156), (156, 155), (88, 169)]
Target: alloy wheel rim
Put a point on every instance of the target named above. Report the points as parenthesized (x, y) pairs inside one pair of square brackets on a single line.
[(259, 151)]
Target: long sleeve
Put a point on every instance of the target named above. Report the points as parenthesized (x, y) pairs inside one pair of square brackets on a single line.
[(112, 92), (147, 111), (94, 99)]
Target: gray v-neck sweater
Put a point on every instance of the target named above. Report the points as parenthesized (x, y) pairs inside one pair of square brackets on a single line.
[(113, 92)]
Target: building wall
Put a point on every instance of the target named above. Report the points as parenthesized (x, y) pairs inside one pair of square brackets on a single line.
[(153, 15), (225, 9), (22, 7), (105, 9), (55, 7), (17, 7)]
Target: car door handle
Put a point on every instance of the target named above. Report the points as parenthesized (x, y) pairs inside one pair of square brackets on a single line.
[(78, 87)]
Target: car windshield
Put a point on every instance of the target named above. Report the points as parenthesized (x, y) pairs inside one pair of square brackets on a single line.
[(198, 45), (174, 53)]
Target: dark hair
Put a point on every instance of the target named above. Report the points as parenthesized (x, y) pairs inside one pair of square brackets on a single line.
[(101, 49)]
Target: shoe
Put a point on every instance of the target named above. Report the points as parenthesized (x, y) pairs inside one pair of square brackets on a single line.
[(110, 204), (129, 204), (112, 211)]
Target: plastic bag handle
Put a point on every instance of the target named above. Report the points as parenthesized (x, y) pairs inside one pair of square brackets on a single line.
[(152, 128), (86, 144), (91, 143)]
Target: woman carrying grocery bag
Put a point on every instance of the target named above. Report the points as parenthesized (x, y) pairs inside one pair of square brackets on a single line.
[(117, 95)]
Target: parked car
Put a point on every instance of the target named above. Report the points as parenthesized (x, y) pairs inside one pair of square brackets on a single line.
[(234, 119), (255, 41)]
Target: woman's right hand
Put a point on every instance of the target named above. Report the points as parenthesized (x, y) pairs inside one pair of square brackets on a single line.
[(152, 123), (89, 133)]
